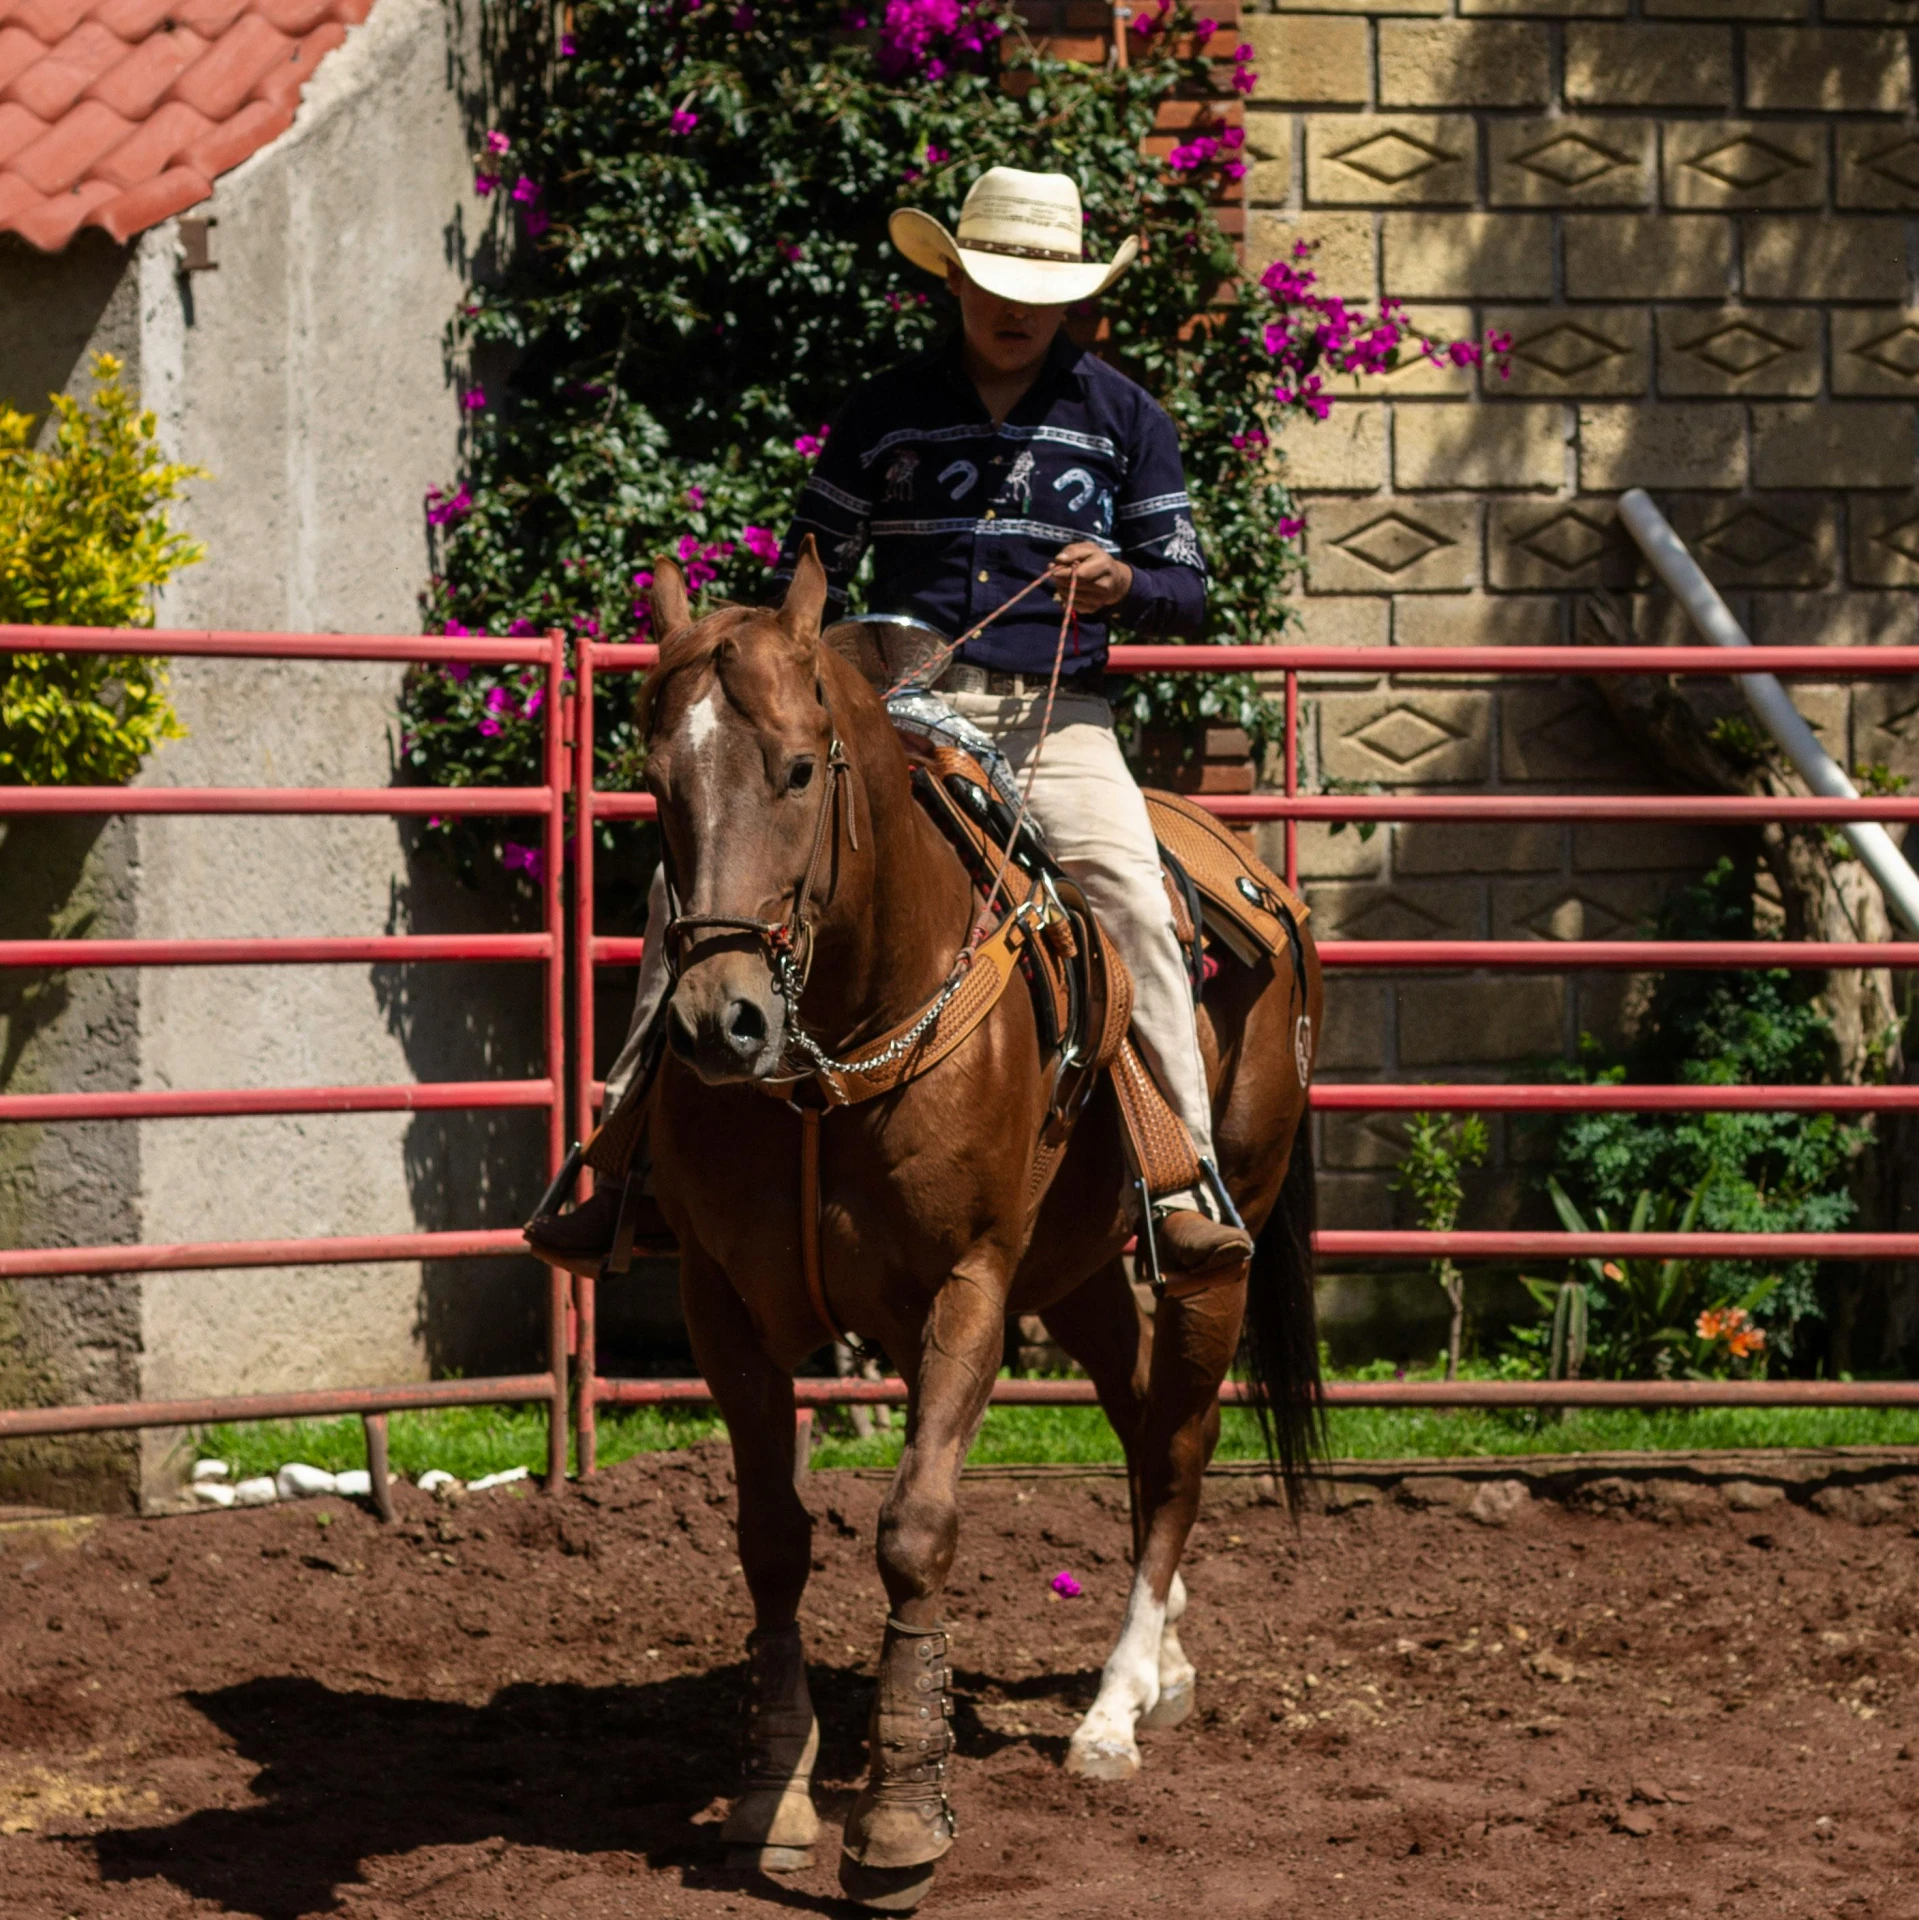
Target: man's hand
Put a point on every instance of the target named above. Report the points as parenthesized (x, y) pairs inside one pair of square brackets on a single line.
[(1104, 579)]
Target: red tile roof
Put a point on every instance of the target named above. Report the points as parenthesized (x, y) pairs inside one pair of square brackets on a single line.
[(121, 113)]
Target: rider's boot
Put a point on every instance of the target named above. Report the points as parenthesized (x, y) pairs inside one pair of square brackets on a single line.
[(902, 1825), (773, 1826), (1199, 1248), (581, 1240)]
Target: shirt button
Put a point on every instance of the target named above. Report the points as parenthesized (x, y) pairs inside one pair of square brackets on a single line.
[(984, 576), (990, 514)]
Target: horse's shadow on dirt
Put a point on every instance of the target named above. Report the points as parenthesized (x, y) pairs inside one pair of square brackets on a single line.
[(349, 1777)]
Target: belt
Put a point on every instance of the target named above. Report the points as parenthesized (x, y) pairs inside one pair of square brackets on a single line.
[(962, 678)]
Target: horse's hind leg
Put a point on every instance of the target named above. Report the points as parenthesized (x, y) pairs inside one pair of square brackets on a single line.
[(1101, 1327), (1194, 1340), (772, 1825)]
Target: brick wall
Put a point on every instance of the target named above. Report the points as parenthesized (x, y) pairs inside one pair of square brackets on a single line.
[(1698, 231)]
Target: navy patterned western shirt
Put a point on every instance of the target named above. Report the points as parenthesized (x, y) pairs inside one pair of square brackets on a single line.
[(960, 513)]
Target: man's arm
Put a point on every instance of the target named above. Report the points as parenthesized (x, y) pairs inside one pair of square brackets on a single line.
[(1167, 597), (835, 508)]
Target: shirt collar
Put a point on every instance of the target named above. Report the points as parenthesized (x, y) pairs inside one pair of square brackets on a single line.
[(1062, 368)]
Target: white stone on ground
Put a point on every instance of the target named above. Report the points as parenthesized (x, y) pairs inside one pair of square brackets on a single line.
[(213, 1494), (298, 1481), (434, 1478), (258, 1492), (494, 1480), (356, 1483), (210, 1470)]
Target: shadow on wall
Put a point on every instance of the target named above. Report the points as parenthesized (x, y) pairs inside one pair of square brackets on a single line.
[(65, 1341), (474, 1169), (54, 311)]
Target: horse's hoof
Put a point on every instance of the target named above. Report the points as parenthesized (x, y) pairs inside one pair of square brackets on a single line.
[(1104, 1757), (768, 1859), (886, 1889), (1173, 1708)]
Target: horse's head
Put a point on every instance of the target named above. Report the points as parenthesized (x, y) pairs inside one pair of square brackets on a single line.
[(739, 755)]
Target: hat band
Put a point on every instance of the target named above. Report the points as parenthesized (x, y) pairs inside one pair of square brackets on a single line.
[(1021, 253)]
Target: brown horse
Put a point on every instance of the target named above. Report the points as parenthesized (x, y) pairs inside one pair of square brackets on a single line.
[(783, 789)]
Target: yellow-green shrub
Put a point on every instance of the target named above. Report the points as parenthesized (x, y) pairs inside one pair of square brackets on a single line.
[(85, 542)]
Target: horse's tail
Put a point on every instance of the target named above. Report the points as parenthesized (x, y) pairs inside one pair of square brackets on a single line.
[(1281, 1341)]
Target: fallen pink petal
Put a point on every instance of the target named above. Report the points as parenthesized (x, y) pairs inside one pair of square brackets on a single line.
[(1065, 1585)]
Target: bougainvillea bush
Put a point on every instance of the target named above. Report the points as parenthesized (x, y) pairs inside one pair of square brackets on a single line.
[(693, 199)]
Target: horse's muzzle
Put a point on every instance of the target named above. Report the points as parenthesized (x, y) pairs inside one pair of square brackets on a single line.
[(726, 1022)]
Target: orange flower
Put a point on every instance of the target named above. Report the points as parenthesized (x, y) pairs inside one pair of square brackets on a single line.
[(1749, 1340), (1712, 1323)]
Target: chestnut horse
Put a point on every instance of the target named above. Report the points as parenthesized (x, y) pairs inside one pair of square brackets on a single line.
[(783, 789)]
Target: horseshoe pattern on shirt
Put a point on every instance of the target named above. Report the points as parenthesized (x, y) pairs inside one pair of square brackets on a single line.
[(968, 475), (1080, 484)]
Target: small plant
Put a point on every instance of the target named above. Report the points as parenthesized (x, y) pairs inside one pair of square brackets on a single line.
[(1649, 1318), (1438, 1152), (1746, 1172), (85, 542)]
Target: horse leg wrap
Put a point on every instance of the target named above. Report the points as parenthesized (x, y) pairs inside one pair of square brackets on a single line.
[(902, 1821), (773, 1825)]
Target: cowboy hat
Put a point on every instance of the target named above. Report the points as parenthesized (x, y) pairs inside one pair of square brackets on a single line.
[(1021, 236)]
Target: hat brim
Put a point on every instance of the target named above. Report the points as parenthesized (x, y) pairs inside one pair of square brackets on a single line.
[(1032, 283)]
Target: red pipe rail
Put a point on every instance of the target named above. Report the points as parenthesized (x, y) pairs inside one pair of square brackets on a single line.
[(568, 764), (1345, 1393), (593, 951), (546, 949)]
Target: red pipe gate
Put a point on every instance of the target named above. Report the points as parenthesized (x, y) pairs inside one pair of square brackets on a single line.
[(567, 735)]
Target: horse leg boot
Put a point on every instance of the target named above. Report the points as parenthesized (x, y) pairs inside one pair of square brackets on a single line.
[(1194, 1338), (772, 1825), (902, 1824)]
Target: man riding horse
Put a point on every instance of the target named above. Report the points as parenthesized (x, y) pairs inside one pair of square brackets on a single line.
[(1005, 454)]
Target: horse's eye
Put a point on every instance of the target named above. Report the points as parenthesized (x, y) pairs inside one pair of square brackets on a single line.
[(801, 777)]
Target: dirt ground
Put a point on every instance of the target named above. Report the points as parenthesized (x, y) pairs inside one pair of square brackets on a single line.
[(1532, 1691)]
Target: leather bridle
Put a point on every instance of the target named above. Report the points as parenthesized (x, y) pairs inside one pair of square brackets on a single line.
[(787, 943)]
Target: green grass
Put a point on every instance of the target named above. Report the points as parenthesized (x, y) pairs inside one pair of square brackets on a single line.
[(472, 1441)]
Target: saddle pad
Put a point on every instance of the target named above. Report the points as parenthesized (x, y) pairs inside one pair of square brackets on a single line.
[(1246, 903)]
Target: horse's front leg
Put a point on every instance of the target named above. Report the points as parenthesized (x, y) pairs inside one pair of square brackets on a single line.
[(902, 1823), (1148, 1679), (772, 1825)]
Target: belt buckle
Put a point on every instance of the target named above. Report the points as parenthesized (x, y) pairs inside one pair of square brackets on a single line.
[(961, 678)]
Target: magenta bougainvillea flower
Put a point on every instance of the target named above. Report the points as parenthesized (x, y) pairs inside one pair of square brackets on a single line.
[(1065, 1585), (474, 400), (442, 509), (684, 120), (762, 543), (527, 860), (808, 445)]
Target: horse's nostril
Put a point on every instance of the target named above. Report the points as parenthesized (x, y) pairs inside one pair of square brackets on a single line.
[(745, 1027)]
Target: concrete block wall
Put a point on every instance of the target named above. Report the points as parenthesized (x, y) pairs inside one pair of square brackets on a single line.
[(1695, 218)]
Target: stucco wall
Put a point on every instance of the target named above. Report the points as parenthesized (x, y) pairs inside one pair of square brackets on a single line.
[(307, 377)]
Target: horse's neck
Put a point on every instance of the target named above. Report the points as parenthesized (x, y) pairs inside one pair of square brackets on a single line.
[(903, 909)]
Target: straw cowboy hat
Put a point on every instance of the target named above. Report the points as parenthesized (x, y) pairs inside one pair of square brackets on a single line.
[(1021, 236)]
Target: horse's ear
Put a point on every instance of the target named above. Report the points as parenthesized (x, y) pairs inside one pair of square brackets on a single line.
[(670, 608), (805, 600)]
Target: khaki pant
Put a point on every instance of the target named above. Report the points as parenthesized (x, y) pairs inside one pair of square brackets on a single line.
[(1095, 821)]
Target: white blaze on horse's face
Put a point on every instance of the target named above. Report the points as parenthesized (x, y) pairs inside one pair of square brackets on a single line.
[(728, 734)]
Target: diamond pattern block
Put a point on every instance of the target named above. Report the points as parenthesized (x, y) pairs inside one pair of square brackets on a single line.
[(118, 114)]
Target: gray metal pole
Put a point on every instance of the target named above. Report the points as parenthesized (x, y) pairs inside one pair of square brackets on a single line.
[(1770, 702)]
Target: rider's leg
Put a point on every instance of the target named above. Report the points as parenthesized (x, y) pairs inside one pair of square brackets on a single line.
[(582, 1239), (646, 1003), (1095, 820)]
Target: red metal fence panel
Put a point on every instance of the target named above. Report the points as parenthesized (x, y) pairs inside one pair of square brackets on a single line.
[(572, 939), (546, 949)]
